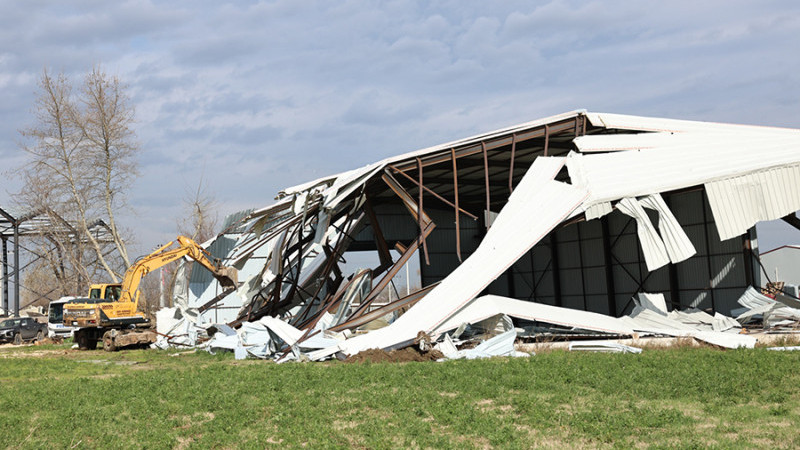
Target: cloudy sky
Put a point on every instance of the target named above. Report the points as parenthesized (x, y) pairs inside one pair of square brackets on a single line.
[(257, 96)]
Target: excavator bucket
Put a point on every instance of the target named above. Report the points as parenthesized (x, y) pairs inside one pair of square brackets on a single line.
[(228, 277)]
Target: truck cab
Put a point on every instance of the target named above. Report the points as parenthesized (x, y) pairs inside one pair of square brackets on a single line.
[(55, 319), (21, 329)]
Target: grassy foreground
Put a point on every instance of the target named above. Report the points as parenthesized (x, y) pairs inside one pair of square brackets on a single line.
[(53, 397)]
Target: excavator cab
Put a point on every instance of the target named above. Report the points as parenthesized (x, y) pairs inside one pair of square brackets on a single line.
[(110, 292)]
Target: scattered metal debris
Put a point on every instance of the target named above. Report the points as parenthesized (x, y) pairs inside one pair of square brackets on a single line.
[(602, 346)]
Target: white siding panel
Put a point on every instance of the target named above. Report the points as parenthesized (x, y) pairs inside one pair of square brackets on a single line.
[(491, 305), (655, 254), (740, 202), (678, 245), (620, 142), (598, 210)]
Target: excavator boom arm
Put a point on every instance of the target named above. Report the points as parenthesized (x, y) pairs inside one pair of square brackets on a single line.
[(227, 276)]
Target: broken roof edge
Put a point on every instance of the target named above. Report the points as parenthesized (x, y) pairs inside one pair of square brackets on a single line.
[(436, 148), (657, 124)]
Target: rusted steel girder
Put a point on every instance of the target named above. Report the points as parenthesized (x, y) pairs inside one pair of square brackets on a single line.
[(406, 301), (419, 216), (432, 192), (511, 164), (380, 241), (331, 302), (428, 226), (330, 264), (272, 302), (457, 209), (392, 271), (567, 125), (546, 139), (215, 300), (486, 180)]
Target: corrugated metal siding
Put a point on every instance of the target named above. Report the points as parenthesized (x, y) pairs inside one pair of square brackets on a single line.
[(442, 244), (572, 301), (231, 219), (693, 273), (569, 258), (595, 280), (592, 252), (718, 264), (597, 303), (726, 299), (739, 202), (686, 210), (221, 246), (395, 222)]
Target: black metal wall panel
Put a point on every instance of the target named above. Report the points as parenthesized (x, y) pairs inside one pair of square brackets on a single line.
[(442, 244)]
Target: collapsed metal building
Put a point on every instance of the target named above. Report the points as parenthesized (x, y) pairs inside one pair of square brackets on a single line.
[(576, 212)]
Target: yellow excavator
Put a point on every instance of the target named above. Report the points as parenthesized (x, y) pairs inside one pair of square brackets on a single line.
[(111, 311)]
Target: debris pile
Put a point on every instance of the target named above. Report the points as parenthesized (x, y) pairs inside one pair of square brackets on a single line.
[(773, 313)]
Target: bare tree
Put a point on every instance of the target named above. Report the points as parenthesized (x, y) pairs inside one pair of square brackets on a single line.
[(199, 219), (82, 156), (106, 126)]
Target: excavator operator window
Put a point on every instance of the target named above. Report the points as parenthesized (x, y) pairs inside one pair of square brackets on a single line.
[(94, 293), (113, 293)]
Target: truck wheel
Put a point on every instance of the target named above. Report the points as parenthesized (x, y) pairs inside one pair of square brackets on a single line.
[(39, 336), (108, 341), (17, 339), (82, 339)]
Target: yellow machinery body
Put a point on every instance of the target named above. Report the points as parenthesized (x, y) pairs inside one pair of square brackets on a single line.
[(116, 306)]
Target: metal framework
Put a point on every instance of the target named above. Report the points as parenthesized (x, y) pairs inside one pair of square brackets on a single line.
[(14, 226)]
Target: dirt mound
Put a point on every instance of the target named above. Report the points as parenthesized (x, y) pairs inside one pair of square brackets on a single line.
[(50, 341), (404, 355)]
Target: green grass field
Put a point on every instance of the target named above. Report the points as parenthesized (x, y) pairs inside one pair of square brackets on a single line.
[(53, 397)]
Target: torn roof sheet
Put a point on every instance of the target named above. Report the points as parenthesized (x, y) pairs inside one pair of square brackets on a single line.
[(655, 124), (619, 160)]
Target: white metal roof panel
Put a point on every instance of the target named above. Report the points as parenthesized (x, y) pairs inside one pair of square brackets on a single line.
[(691, 161), (639, 123)]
